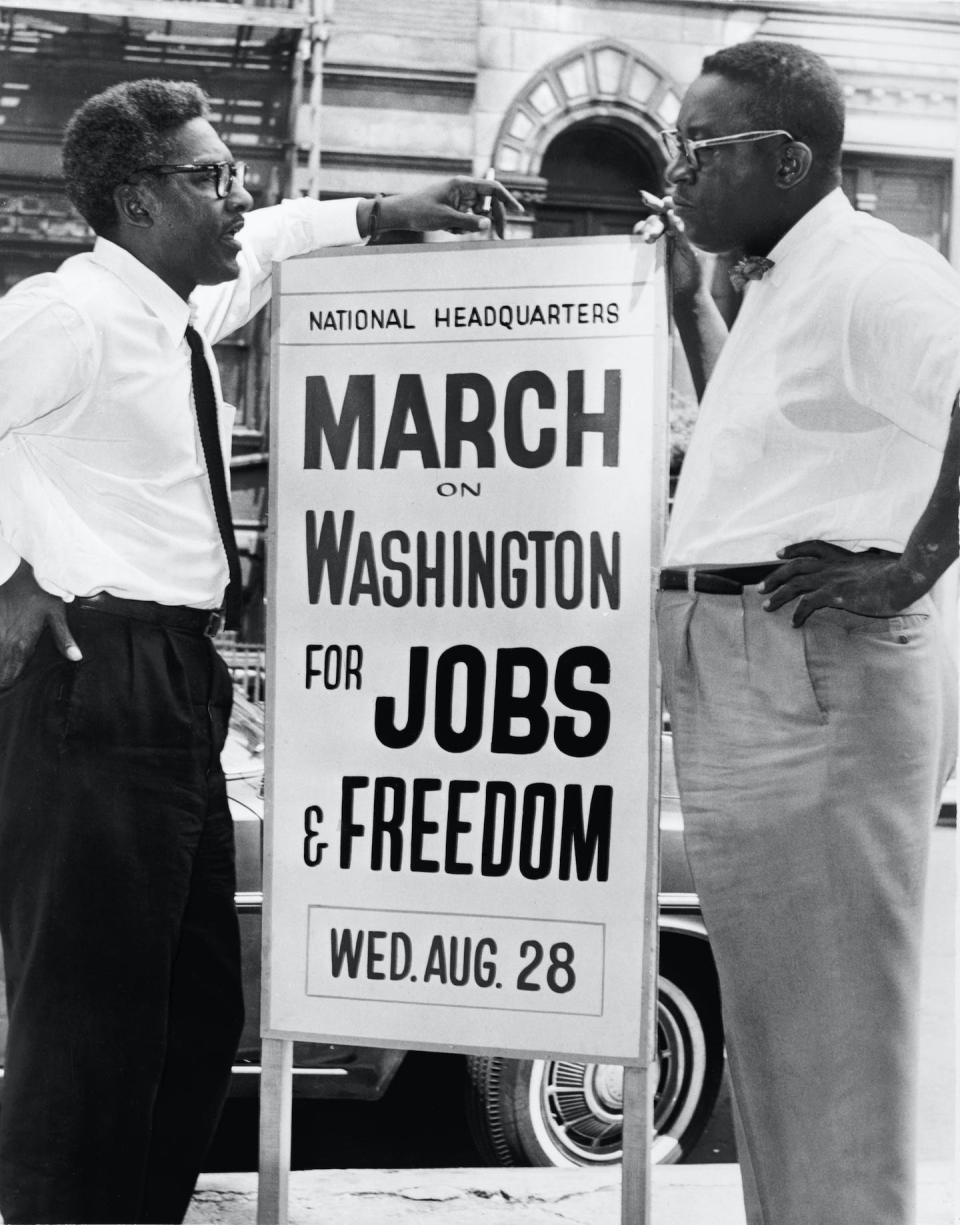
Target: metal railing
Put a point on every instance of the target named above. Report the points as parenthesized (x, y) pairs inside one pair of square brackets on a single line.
[(247, 662)]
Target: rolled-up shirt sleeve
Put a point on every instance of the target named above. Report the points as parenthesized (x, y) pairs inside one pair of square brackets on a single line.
[(47, 353), (294, 227)]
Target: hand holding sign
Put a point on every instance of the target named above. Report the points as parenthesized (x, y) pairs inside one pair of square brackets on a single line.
[(460, 204)]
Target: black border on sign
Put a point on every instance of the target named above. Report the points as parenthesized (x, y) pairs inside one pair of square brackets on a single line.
[(562, 1012)]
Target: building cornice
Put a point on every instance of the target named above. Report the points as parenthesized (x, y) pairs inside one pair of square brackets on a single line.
[(941, 12)]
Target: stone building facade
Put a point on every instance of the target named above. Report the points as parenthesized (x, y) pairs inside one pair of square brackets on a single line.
[(565, 97)]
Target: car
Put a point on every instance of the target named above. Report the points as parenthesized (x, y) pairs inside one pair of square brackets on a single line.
[(548, 1112)]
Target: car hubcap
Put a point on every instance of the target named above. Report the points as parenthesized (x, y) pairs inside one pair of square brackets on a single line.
[(576, 1109)]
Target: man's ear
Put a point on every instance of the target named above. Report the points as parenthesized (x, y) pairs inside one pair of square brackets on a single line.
[(134, 205), (796, 159)]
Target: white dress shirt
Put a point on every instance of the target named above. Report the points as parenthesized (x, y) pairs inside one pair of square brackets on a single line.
[(103, 486), (827, 411)]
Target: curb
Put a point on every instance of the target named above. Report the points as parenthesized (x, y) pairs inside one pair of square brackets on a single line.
[(681, 1195)]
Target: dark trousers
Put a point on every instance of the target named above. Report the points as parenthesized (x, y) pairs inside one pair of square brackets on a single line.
[(119, 930)]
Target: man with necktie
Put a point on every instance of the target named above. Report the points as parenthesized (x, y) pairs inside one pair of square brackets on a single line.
[(811, 739), (116, 559)]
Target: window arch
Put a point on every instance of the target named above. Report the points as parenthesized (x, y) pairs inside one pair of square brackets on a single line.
[(600, 81)]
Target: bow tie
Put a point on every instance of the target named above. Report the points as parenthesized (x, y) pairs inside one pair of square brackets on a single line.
[(751, 268)]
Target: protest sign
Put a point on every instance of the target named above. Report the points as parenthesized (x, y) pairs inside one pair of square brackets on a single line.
[(467, 472)]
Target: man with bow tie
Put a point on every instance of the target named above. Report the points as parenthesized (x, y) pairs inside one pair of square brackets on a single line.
[(811, 739)]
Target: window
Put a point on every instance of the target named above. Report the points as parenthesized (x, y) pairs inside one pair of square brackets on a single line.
[(911, 193)]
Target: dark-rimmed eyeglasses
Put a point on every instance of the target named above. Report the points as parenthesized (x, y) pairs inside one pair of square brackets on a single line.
[(679, 146), (223, 175)]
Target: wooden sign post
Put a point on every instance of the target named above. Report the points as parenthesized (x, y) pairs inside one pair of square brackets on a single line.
[(468, 459)]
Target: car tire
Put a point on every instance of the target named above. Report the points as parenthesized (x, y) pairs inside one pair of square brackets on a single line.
[(562, 1112)]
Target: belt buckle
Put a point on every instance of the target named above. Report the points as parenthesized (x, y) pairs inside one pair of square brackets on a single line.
[(214, 623)]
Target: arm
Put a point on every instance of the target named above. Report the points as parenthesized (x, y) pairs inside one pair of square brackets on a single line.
[(699, 323), (700, 326), (826, 576), (296, 227), (32, 323)]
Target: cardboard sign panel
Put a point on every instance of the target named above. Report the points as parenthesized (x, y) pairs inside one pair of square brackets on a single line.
[(468, 452)]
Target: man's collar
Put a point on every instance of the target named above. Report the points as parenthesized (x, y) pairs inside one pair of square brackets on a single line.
[(830, 209), (155, 293)]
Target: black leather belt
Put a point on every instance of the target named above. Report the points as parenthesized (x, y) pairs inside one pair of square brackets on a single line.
[(205, 621), (717, 580)]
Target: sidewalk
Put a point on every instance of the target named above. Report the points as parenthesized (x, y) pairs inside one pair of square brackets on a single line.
[(682, 1195)]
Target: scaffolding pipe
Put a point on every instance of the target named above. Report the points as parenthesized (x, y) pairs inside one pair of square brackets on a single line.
[(319, 35), (292, 148)]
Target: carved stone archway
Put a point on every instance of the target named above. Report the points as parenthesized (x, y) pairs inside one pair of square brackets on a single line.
[(604, 80)]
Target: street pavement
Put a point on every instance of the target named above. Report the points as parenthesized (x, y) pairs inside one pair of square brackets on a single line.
[(681, 1195)]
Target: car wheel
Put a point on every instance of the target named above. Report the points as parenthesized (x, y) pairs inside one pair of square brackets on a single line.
[(561, 1112)]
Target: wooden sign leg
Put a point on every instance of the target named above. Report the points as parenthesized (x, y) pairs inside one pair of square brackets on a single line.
[(276, 1094), (635, 1190)]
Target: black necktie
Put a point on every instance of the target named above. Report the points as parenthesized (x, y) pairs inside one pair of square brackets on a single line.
[(206, 402)]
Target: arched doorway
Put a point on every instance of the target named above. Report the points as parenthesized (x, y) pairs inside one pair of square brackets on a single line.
[(594, 171), (584, 130)]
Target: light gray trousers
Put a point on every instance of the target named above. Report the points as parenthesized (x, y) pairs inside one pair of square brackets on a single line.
[(810, 763)]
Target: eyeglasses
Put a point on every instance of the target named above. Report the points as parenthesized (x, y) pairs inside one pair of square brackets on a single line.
[(679, 146), (223, 175)]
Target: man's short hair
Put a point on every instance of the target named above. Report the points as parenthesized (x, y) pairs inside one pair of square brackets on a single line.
[(793, 88), (117, 132)]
